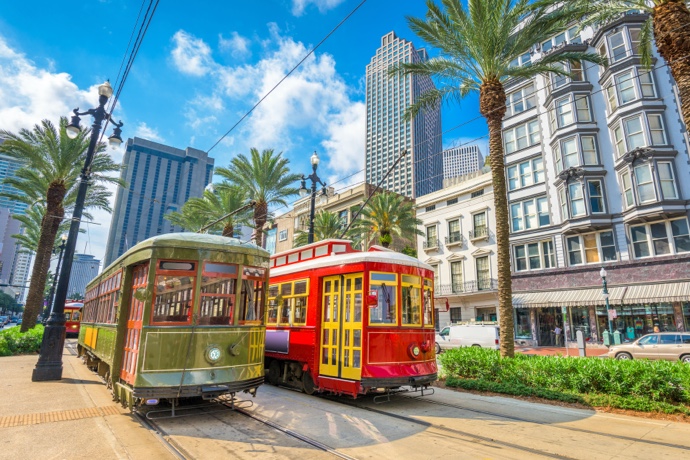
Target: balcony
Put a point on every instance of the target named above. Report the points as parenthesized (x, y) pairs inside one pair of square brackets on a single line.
[(479, 233), (431, 244), (455, 239), (468, 287)]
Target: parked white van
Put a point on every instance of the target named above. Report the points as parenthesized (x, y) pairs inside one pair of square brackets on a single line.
[(467, 335)]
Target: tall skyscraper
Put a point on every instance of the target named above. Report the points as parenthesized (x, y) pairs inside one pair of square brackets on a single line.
[(84, 269), (421, 170), (17, 272), (160, 179), (458, 161)]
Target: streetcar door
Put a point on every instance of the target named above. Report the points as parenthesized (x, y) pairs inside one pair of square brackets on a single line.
[(351, 355), (330, 327), (341, 336), (134, 322)]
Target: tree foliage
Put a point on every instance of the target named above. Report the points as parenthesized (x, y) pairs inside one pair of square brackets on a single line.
[(387, 214)]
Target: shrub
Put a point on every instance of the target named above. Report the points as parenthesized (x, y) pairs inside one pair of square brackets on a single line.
[(639, 383), (13, 342)]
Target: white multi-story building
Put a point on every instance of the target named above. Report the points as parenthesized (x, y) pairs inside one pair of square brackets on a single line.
[(597, 174), (387, 97), (460, 161), (459, 242)]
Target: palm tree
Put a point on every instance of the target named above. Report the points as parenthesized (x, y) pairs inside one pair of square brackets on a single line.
[(52, 165), (199, 212), (669, 20), (327, 225), (386, 215), (477, 45), (266, 178)]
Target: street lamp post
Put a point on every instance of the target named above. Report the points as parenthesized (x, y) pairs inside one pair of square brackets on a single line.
[(303, 191), (602, 273), (49, 365), (57, 270)]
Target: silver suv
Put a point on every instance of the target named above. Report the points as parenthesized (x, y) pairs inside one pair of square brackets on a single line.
[(671, 346)]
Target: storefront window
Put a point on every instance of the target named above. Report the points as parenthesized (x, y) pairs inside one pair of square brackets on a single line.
[(523, 330), (686, 315), (634, 321), (579, 320)]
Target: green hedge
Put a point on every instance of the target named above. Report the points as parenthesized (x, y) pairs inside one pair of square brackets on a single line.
[(636, 384), (12, 342)]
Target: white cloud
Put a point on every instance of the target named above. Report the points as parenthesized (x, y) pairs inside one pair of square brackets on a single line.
[(298, 6), (146, 132), (191, 55), (345, 144), (236, 44)]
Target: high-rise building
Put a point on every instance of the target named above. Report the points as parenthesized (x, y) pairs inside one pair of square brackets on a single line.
[(460, 161), (160, 179), (84, 269), (421, 170)]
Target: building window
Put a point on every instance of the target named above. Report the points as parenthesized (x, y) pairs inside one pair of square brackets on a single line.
[(569, 36), (282, 235), (524, 60), (668, 186), (596, 197), (534, 256), (574, 69), (456, 277), (430, 208), (644, 182), (564, 115), (526, 215), (622, 44), (638, 131), (477, 193), (665, 237), (639, 188), (522, 136), (591, 248), (577, 200), (483, 274), (525, 174), (480, 228), (454, 234), (431, 237), (452, 201), (629, 86), (521, 100), (627, 189)]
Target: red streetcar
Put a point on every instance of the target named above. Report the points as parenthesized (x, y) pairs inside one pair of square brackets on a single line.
[(73, 318), (349, 322)]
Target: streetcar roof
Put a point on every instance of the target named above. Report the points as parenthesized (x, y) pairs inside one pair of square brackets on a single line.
[(374, 254)]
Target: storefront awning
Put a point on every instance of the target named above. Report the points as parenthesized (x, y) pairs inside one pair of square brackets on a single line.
[(567, 298), (664, 292)]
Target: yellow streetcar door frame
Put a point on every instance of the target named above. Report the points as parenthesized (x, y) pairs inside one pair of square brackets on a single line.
[(341, 326)]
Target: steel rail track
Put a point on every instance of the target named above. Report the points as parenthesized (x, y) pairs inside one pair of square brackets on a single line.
[(163, 437), (561, 427), (289, 432)]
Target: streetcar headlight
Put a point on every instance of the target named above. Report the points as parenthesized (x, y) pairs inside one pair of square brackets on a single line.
[(213, 354), (414, 350)]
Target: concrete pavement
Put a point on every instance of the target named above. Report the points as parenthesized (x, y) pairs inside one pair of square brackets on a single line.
[(71, 418)]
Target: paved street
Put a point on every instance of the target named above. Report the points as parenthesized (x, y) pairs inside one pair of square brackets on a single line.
[(76, 418)]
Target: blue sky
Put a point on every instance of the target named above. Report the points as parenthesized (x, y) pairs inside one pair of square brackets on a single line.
[(202, 65)]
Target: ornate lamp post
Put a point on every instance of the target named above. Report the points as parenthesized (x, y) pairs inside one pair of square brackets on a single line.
[(303, 191), (63, 243), (49, 365), (602, 273)]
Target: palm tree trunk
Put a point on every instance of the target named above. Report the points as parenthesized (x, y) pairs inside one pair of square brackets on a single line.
[(49, 228), (671, 23), (228, 230), (260, 215), (492, 105)]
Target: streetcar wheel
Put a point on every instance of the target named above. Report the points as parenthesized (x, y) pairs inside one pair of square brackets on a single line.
[(438, 349), (308, 383), (274, 373)]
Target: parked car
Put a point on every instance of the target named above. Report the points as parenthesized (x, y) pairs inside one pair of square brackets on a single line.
[(671, 346), (19, 322), (4, 320), (467, 335), (13, 319)]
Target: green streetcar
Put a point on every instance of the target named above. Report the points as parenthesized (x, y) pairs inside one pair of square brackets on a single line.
[(178, 316)]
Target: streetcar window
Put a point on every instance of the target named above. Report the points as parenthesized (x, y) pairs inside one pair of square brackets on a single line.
[(287, 303), (217, 300), (76, 316), (173, 301), (411, 301), (251, 307), (225, 269), (68, 314), (385, 286), (428, 303)]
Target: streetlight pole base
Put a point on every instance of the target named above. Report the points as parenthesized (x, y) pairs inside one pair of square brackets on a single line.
[(49, 365)]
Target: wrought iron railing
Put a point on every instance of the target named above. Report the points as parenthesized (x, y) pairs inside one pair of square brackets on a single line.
[(430, 243), (454, 238), (479, 232), (487, 284)]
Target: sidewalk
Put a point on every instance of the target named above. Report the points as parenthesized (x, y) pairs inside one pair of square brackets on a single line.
[(71, 418), (555, 351)]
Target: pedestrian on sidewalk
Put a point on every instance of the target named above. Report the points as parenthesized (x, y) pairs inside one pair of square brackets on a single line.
[(557, 330)]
